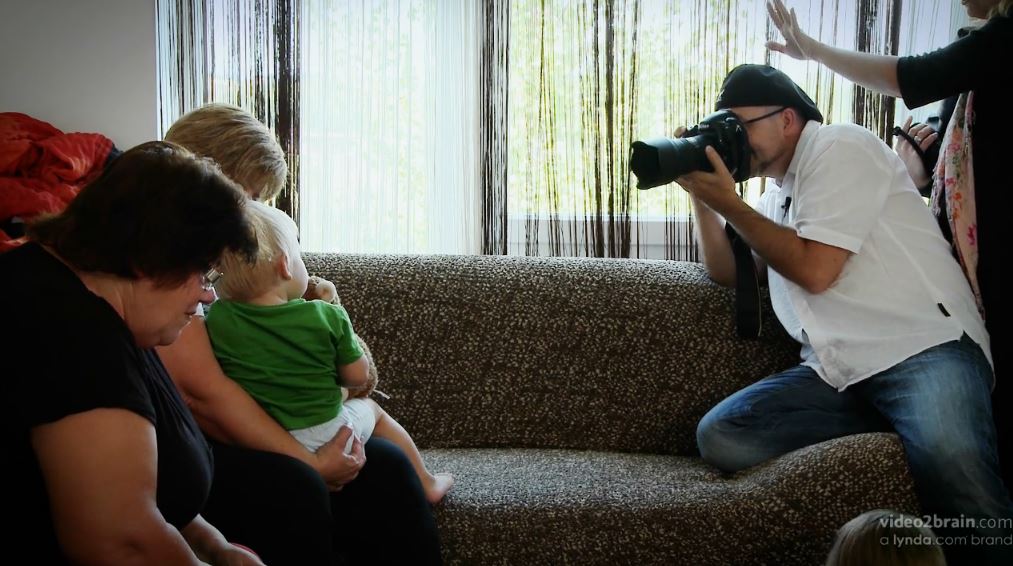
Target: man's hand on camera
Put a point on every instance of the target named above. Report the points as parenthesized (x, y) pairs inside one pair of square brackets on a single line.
[(715, 189)]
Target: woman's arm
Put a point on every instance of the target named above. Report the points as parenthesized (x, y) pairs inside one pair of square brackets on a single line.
[(100, 469), (226, 412), (876, 72)]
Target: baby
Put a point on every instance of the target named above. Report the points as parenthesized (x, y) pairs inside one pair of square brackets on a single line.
[(293, 356)]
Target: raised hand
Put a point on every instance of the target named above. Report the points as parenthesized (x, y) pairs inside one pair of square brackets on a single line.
[(796, 44)]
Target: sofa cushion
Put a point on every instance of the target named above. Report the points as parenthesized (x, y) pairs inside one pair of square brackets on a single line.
[(529, 506)]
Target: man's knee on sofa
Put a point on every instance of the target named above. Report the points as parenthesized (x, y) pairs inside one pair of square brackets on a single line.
[(722, 443)]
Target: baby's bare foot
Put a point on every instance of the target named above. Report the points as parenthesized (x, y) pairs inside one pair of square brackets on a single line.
[(436, 486)]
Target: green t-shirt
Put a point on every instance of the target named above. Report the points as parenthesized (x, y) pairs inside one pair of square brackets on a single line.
[(285, 356)]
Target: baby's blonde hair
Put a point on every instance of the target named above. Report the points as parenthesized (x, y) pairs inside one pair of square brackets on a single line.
[(243, 280), (243, 147), (885, 538)]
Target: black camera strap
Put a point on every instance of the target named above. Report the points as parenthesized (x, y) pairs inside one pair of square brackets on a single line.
[(748, 321)]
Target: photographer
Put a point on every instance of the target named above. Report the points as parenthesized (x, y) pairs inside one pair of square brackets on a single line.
[(971, 185), (861, 277)]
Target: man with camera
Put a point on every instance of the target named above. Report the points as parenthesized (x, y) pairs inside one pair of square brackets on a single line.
[(861, 277)]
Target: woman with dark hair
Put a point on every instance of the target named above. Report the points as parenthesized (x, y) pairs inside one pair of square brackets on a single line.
[(108, 464)]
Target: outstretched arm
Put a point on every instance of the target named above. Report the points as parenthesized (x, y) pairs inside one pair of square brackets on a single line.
[(876, 72)]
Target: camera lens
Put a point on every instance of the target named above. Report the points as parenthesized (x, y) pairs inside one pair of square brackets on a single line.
[(659, 161)]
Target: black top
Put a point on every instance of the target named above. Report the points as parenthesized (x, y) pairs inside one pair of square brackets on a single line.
[(66, 351), (977, 62)]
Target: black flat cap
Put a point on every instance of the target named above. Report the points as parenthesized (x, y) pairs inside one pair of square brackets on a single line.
[(763, 85)]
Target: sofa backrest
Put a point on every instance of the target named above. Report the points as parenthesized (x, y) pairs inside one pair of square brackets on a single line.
[(598, 354)]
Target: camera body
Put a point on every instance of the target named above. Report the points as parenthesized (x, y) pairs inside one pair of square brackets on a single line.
[(659, 161)]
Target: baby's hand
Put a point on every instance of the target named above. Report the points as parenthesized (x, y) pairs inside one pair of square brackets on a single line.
[(321, 289)]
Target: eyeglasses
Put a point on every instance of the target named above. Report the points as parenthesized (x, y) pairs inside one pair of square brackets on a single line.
[(767, 115), (208, 280)]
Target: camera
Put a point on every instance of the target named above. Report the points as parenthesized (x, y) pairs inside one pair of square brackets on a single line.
[(659, 161)]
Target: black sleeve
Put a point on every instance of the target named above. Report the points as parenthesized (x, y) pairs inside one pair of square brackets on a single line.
[(978, 60), (72, 363)]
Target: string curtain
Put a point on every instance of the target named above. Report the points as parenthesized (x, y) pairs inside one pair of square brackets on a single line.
[(503, 126), (390, 136), (241, 52), (587, 78)]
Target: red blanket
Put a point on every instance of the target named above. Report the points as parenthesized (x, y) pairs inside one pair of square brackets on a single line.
[(42, 168)]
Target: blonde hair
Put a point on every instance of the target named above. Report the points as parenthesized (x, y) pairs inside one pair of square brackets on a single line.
[(1003, 8), (885, 538), (244, 148), (243, 278)]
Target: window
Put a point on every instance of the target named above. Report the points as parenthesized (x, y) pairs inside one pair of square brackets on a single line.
[(389, 152), (383, 107)]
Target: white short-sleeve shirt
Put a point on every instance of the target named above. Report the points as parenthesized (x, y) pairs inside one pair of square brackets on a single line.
[(899, 293)]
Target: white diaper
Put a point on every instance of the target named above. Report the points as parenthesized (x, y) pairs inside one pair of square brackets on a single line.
[(357, 413)]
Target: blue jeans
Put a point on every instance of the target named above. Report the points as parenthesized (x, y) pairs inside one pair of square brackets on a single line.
[(937, 401)]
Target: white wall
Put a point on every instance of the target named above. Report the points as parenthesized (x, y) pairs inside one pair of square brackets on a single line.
[(81, 65)]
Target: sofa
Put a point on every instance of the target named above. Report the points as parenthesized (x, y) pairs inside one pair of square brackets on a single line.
[(564, 394)]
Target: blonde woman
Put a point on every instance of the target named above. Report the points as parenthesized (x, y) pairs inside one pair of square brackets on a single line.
[(268, 487)]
